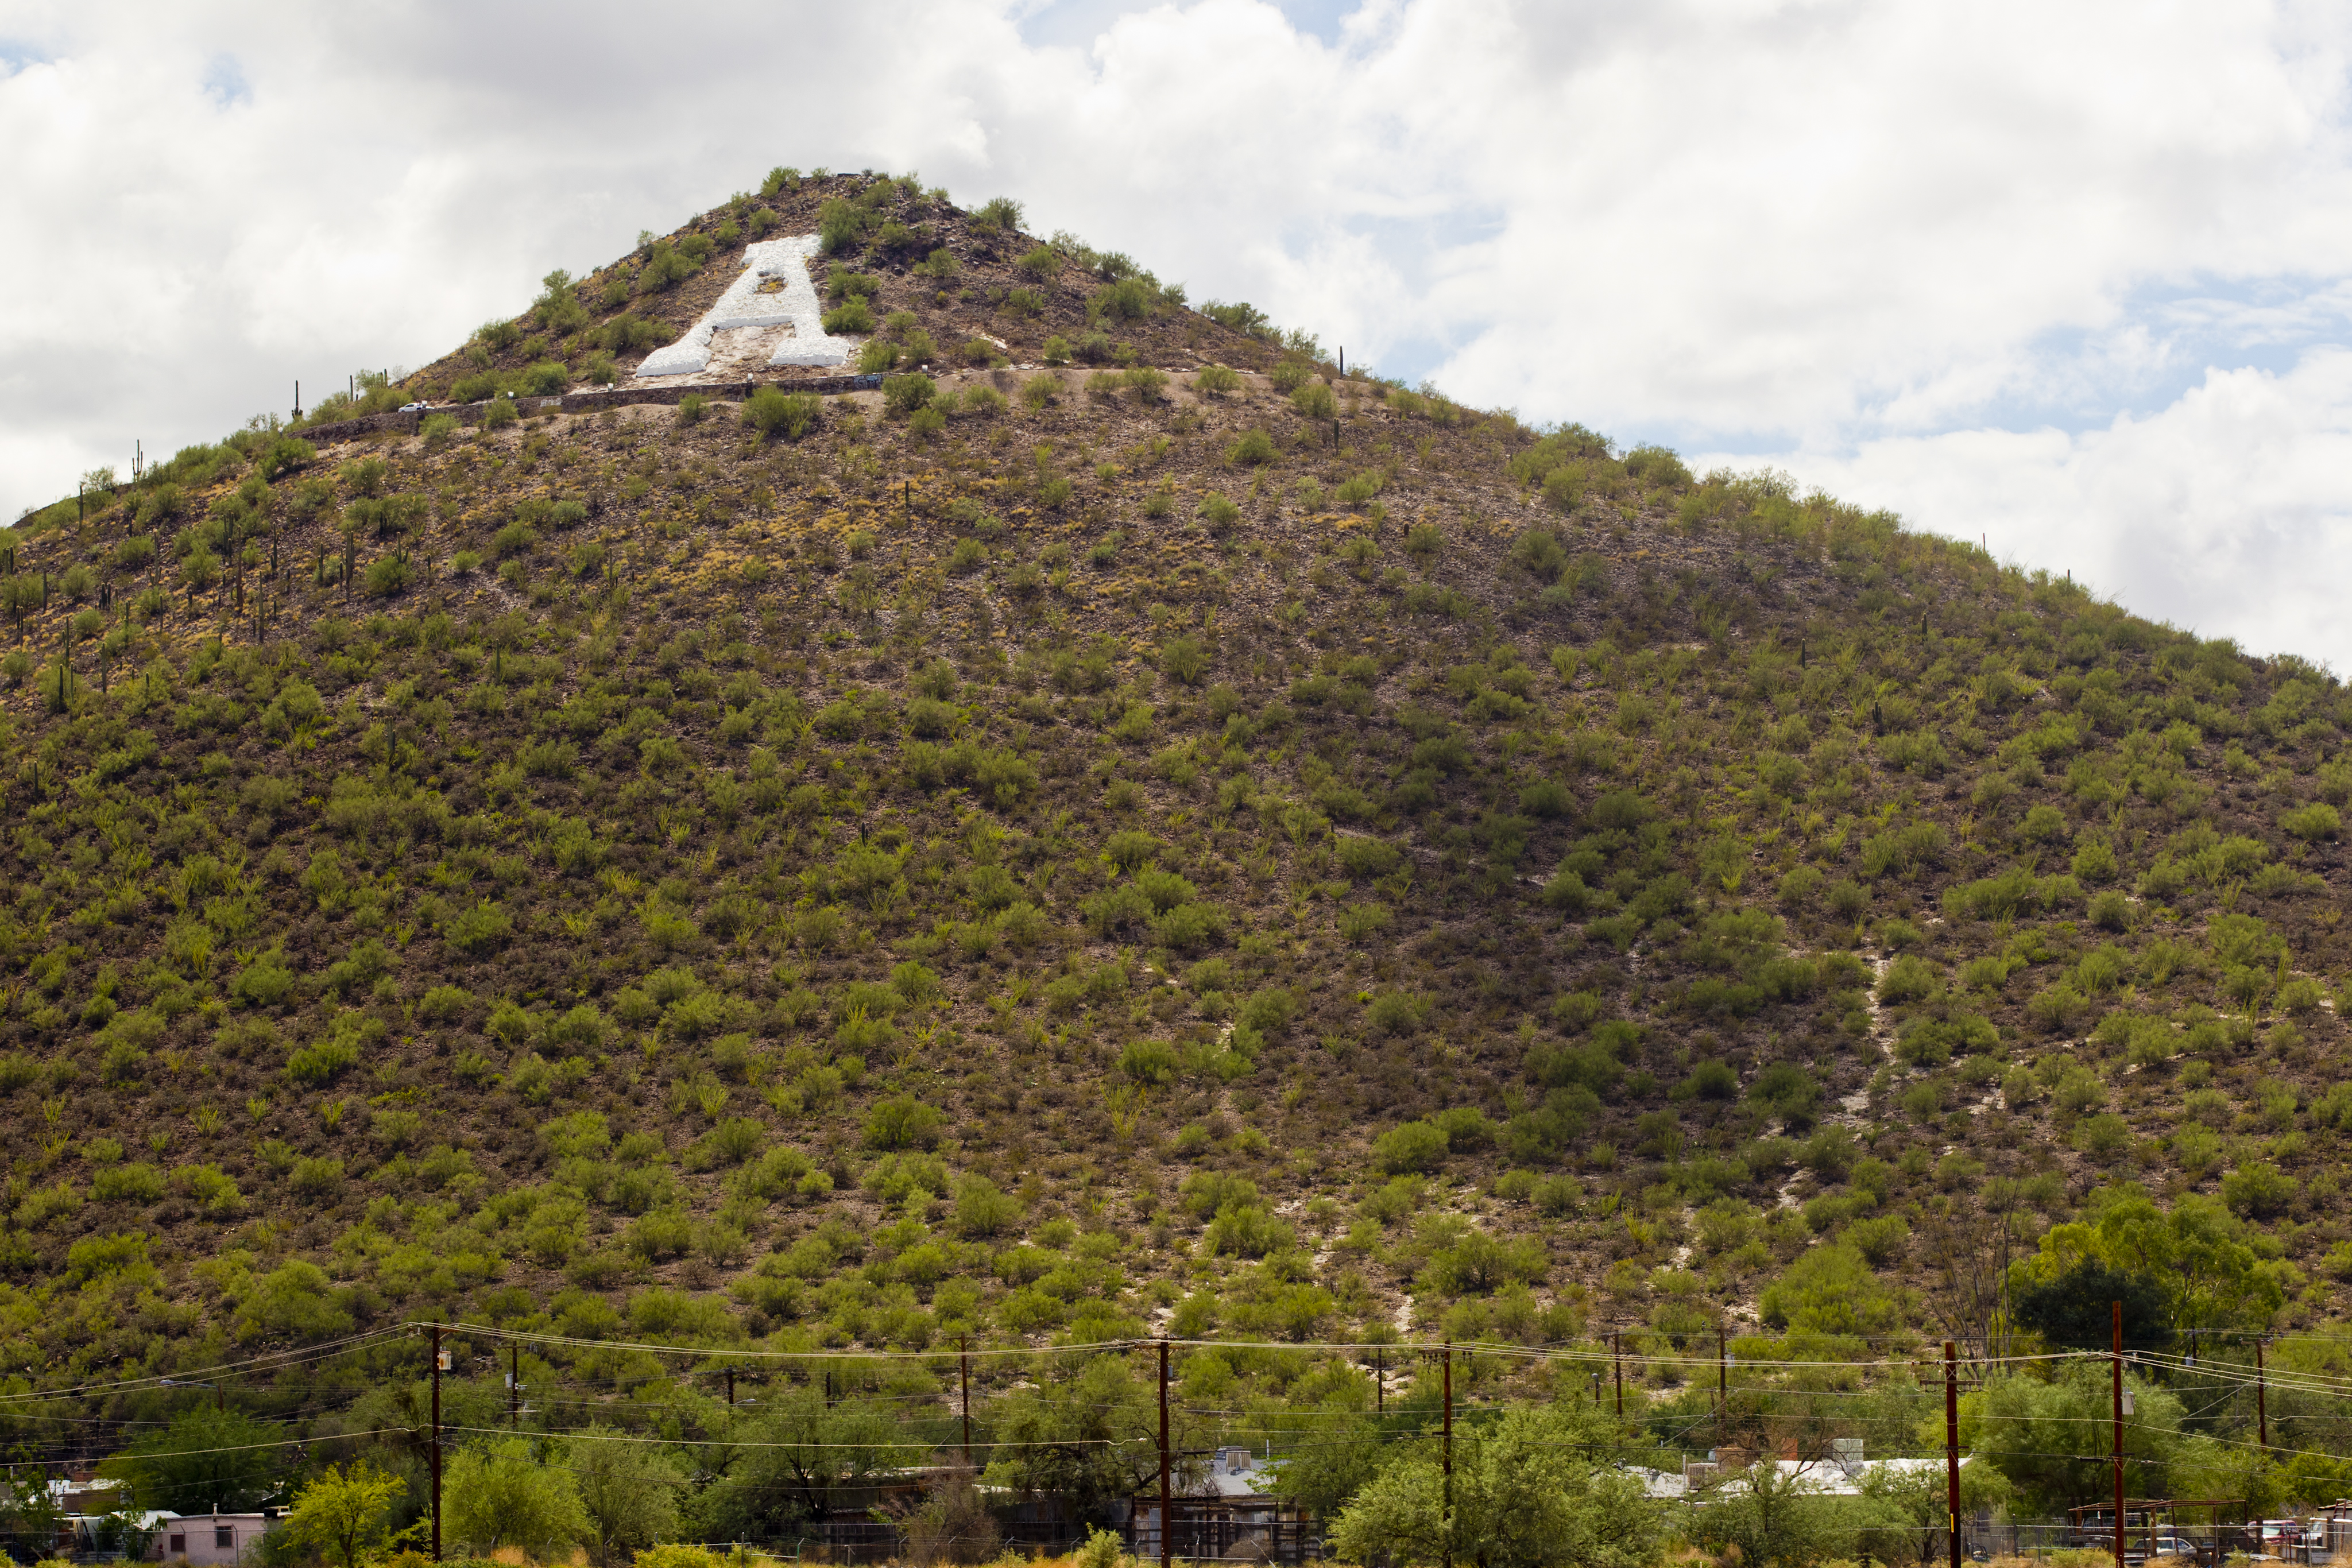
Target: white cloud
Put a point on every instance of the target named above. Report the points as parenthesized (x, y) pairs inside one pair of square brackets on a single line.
[(1867, 237), (2228, 513)]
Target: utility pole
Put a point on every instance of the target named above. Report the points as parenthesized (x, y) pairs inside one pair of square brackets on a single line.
[(2115, 1360), (436, 1442), (1446, 1523), (730, 1388), (514, 1388), (1952, 1447), (2262, 1397), (1379, 1383), (1167, 1524), (963, 1368), (1617, 1358), (1722, 1384)]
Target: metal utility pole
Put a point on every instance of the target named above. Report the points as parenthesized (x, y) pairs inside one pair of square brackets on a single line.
[(1617, 1357), (1446, 1524), (963, 1370), (436, 1442), (2116, 1361), (1167, 1524), (1952, 1447), (514, 1388)]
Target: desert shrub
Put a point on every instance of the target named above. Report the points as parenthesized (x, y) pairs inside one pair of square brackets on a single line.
[(905, 394), (667, 266), (1255, 446), (999, 214), (1216, 381), (1313, 400), (1219, 513), (1413, 1147), (2315, 822), (852, 317)]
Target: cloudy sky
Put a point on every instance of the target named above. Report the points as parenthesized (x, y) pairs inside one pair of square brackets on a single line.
[(2074, 279)]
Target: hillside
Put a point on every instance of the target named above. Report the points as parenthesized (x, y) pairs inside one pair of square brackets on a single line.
[(1185, 842)]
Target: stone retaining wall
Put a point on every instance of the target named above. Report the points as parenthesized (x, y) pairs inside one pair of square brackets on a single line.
[(406, 423)]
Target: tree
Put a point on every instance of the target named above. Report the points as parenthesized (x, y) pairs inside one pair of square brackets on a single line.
[(2073, 1308), (346, 1513), (1910, 1507), (1090, 1438), (207, 1461), (1527, 1494), (2033, 1431), (1774, 1516), (628, 1490), (807, 1452), (501, 1494), (2195, 1259)]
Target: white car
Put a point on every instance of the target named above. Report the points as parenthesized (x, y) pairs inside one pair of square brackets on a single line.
[(415, 407)]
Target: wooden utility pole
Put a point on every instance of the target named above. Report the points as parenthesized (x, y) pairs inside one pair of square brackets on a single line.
[(1167, 1524), (1952, 1448), (436, 1442), (2115, 1360), (1446, 1523), (1722, 1384), (2262, 1397)]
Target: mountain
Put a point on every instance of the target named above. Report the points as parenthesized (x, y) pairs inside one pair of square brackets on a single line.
[(1120, 828)]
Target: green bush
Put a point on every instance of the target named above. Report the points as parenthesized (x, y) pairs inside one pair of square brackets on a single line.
[(2315, 822), (1290, 375), (1252, 447), (905, 394), (878, 355), (1219, 513), (2257, 1191), (1216, 381), (666, 267), (387, 575), (852, 317), (998, 214), (1313, 400), (1042, 263), (498, 413), (770, 411), (1129, 300), (1415, 1147)]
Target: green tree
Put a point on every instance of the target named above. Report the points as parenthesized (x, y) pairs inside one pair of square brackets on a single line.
[(806, 1454), (2197, 1257), (206, 1460), (2033, 1432), (502, 1494), (1774, 1518), (1091, 1437), (628, 1489), (346, 1514), (1528, 1493)]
